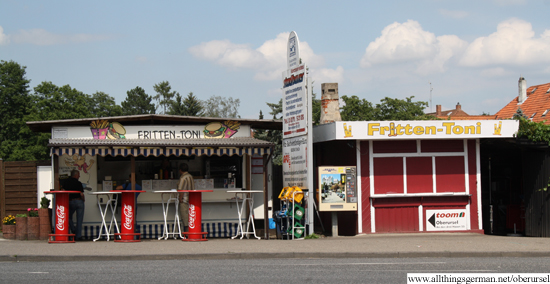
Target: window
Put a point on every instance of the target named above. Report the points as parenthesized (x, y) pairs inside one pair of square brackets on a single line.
[(533, 115), (545, 112)]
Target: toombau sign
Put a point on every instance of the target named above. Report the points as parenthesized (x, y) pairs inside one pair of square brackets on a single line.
[(447, 220)]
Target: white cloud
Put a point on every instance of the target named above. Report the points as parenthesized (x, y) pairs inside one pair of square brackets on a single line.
[(326, 75), (495, 72), (43, 37), (408, 42), (509, 2), (3, 37), (514, 43), (141, 59), (453, 14), (268, 60)]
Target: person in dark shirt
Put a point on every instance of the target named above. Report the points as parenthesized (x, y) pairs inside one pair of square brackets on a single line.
[(76, 203)]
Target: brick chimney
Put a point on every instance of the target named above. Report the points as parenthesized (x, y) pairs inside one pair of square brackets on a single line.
[(330, 105), (522, 90), (458, 106), (438, 110)]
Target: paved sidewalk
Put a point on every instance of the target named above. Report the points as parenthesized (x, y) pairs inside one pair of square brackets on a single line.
[(373, 245)]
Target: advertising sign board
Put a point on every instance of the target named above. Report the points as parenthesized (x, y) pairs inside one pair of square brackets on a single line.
[(337, 189), (447, 220)]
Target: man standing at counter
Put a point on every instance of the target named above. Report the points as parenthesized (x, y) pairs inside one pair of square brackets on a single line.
[(76, 203), (186, 183)]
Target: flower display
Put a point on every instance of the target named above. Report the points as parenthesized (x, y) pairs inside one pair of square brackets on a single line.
[(9, 220), (33, 212)]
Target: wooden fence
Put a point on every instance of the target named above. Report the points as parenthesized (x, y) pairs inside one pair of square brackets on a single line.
[(18, 186)]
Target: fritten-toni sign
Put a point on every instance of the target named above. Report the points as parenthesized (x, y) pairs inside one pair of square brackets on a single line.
[(429, 129)]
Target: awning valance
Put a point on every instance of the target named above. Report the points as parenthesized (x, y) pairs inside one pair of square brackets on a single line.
[(135, 147), (159, 152)]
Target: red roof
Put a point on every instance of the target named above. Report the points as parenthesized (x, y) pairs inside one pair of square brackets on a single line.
[(536, 107), (458, 114)]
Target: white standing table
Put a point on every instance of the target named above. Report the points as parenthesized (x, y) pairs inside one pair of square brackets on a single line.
[(246, 195), (173, 196), (111, 203)]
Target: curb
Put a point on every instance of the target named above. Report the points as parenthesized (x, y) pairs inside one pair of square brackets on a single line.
[(290, 255)]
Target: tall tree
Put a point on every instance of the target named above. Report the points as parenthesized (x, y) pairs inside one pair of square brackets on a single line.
[(49, 102), (396, 109), (356, 109), (137, 102), (104, 105), (217, 106), (275, 136), (53, 103), (190, 106), (164, 95), (15, 101)]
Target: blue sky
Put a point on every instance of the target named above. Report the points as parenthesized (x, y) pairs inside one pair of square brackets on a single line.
[(472, 52)]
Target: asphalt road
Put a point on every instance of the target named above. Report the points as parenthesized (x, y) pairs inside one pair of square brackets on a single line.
[(328, 270)]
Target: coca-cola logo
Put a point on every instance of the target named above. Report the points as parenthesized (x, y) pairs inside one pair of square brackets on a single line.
[(60, 213), (192, 216), (128, 212)]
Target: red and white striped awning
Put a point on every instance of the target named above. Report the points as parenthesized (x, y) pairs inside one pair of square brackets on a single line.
[(128, 147)]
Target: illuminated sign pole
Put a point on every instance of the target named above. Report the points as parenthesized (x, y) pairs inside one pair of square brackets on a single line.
[(297, 136)]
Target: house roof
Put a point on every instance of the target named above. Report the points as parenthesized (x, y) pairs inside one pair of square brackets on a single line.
[(536, 107), (458, 114)]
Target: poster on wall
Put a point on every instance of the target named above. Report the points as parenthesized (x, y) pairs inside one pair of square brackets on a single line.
[(447, 220), (295, 162), (85, 164), (337, 189)]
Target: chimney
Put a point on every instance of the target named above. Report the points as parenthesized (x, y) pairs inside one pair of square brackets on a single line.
[(522, 90), (330, 105), (458, 106), (438, 110)]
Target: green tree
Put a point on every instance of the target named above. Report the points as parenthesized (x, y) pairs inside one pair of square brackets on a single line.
[(104, 105), (15, 100), (137, 102), (49, 102), (396, 109), (164, 95), (275, 136), (217, 106), (54, 103), (190, 106), (356, 109)]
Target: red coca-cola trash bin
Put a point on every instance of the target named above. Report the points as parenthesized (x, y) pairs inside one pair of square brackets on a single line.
[(128, 215), (195, 233), (61, 220)]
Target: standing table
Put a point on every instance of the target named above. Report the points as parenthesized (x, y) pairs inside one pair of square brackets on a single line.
[(61, 212), (173, 197), (128, 212), (195, 215), (246, 195), (110, 204)]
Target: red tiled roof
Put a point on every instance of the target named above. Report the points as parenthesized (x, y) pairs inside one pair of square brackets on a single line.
[(469, 117), (458, 114), (537, 103)]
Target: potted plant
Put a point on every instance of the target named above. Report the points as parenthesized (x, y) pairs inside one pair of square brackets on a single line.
[(33, 224), (44, 214), (21, 226), (8, 227)]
